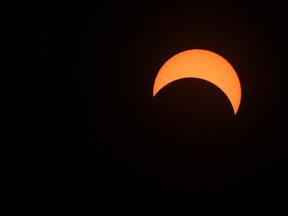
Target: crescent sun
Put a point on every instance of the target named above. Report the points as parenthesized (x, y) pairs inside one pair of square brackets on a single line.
[(201, 64)]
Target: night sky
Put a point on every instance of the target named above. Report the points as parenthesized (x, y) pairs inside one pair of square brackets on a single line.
[(94, 140)]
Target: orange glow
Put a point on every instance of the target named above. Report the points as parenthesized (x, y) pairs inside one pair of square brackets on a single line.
[(204, 65)]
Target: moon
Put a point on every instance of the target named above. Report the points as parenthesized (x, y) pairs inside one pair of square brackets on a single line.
[(201, 64)]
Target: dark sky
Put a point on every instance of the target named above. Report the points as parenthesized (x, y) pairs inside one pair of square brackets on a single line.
[(94, 140)]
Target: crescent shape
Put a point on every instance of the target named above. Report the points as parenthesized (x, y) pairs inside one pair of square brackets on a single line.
[(201, 64)]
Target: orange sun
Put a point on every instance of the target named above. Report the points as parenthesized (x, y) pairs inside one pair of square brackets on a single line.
[(204, 65)]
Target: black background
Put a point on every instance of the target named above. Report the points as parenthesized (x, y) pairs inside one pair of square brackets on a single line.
[(94, 140)]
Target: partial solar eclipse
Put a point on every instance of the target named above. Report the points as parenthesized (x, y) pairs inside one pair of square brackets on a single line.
[(201, 64)]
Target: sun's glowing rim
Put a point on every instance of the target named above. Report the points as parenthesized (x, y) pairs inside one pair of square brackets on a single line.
[(202, 64)]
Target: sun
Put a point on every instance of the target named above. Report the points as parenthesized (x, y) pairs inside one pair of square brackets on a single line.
[(201, 64)]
